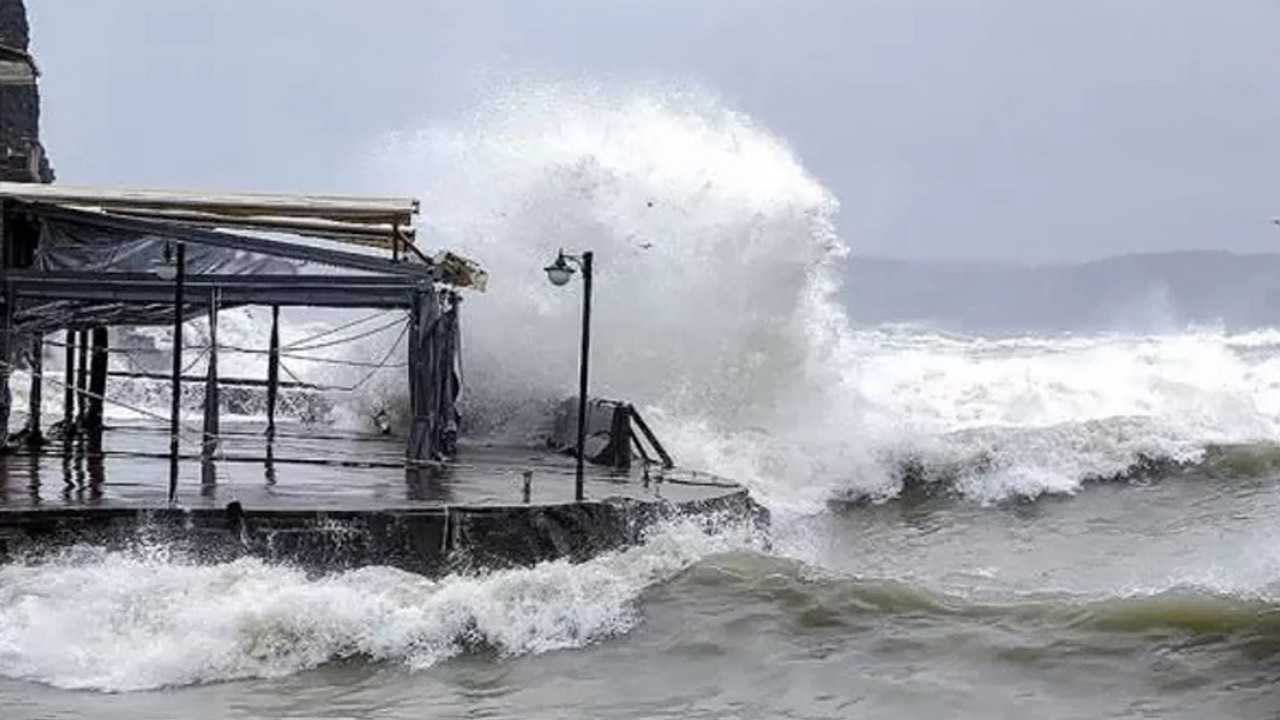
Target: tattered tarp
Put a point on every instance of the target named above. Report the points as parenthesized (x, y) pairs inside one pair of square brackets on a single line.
[(69, 241), (44, 318), (67, 245), (434, 378)]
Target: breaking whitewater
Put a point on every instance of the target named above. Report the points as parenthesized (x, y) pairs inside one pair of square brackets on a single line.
[(1067, 523)]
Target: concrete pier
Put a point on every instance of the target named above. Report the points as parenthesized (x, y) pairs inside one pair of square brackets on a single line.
[(337, 501)]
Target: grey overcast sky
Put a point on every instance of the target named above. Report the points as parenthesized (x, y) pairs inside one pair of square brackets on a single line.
[(1003, 129)]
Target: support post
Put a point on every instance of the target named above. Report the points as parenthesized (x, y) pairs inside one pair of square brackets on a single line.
[(273, 372), (97, 381), (82, 375), (6, 331), (620, 437), (430, 362), (584, 361), (418, 449), (211, 426), (175, 408), (667, 462), (36, 395), (6, 357), (69, 386)]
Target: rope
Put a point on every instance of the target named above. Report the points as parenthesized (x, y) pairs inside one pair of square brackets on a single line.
[(340, 341), (124, 350), (130, 352), (193, 363), (290, 373), (333, 330), (383, 363), (347, 363), (289, 350), (380, 365), (117, 403)]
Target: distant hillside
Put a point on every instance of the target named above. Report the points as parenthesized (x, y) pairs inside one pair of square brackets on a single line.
[(1148, 292)]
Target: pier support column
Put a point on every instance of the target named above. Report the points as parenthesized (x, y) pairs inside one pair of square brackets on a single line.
[(211, 425), (175, 403), (93, 417), (6, 356), (35, 396), (69, 386), (6, 331), (82, 376), (273, 373)]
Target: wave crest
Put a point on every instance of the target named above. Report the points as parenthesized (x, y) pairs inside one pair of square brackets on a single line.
[(120, 621)]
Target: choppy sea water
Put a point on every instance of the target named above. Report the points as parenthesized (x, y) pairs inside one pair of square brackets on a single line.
[(1044, 526), (1008, 585), (1123, 601)]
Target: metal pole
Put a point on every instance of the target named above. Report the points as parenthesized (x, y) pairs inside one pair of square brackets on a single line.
[(36, 395), (97, 380), (273, 372), (211, 424), (175, 407), (7, 347), (82, 377), (584, 360), (69, 386)]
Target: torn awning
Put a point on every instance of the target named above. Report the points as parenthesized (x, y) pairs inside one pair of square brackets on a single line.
[(68, 244)]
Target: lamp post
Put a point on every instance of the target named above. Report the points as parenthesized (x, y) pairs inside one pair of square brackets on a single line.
[(559, 273), (174, 269)]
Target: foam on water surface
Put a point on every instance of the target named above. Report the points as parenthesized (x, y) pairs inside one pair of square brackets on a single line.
[(120, 621), (717, 267), (718, 264)]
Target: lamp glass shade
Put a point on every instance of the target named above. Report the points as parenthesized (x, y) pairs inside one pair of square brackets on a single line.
[(559, 276), (559, 272), (164, 270)]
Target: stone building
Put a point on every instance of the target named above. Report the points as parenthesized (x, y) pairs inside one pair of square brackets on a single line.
[(22, 157)]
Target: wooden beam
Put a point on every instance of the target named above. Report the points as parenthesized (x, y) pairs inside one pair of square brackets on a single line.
[(230, 241), (390, 210), (377, 235), (236, 290)]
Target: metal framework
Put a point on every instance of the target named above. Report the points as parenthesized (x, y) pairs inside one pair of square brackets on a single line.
[(284, 291), (67, 268)]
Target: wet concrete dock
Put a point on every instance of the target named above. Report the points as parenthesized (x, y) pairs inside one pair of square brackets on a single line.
[(327, 498)]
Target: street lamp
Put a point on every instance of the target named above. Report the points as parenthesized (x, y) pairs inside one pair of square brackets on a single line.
[(559, 273), (163, 267)]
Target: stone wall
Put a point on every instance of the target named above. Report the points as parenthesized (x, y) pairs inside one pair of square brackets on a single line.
[(22, 156), (431, 541)]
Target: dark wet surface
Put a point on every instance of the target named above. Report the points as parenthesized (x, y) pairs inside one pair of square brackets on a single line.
[(309, 467)]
